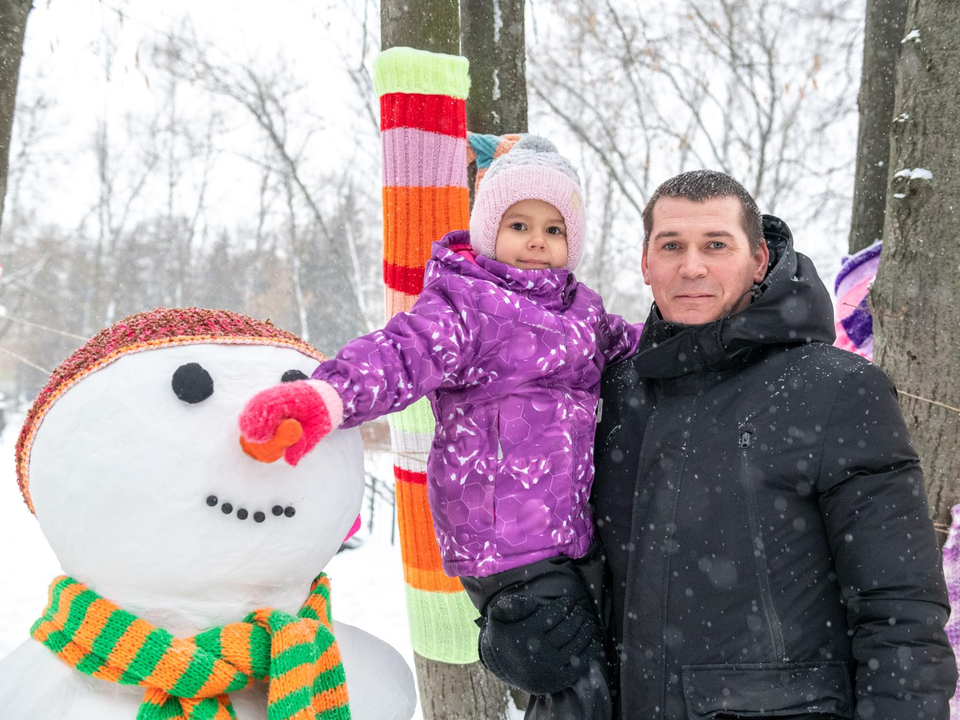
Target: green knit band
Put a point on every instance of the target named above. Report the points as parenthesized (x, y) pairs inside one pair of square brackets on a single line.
[(416, 418), (442, 627), (405, 70)]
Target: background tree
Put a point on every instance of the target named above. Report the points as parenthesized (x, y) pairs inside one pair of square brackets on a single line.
[(13, 27), (881, 44), (914, 299)]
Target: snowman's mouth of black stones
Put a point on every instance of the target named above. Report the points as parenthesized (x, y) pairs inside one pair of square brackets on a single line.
[(258, 515)]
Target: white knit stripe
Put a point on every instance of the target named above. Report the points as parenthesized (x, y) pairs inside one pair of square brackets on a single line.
[(412, 450)]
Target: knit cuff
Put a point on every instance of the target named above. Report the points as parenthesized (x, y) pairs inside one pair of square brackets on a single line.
[(405, 70), (331, 399)]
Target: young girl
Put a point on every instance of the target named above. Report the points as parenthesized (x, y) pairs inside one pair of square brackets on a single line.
[(509, 347)]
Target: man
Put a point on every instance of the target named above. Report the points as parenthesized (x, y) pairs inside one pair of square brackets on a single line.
[(762, 511)]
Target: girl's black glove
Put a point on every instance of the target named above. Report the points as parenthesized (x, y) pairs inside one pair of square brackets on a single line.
[(541, 649)]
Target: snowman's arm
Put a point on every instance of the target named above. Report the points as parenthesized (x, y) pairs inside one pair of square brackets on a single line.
[(416, 353), (379, 682)]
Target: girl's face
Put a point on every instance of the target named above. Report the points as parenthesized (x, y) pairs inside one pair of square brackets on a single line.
[(532, 236)]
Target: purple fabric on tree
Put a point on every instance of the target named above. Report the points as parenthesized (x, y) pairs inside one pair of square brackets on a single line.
[(854, 322), (951, 571), (859, 324), (511, 360), (852, 262)]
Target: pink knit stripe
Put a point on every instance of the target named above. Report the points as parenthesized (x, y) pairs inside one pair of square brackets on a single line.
[(848, 301), (398, 301), (331, 399), (843, 340), (417, 158)]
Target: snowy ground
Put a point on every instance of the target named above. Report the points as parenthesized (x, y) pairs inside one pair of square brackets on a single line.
[(367, 581)]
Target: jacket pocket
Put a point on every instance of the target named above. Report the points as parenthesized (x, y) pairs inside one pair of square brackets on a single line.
[(767, 690)]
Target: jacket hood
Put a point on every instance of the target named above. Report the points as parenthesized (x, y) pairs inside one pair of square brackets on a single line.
[(791, 306), (552, 289)]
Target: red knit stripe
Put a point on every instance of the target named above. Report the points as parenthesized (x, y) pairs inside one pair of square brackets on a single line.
[(410, 476), (433, 113), (408, 280)]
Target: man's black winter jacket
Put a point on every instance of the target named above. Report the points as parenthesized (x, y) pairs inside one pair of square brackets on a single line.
[(765, 521)]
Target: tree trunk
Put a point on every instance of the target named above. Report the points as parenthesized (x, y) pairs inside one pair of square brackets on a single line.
[(432, 25), (914, 299), (448, 691), (493, 42), (13, 26), (881, 44), (459, 692)]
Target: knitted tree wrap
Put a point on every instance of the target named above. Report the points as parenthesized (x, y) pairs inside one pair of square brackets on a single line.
[(189, 679), (415, 72), (854, 322), (145, 331), (484, 149), (951, 572), (423, 123)]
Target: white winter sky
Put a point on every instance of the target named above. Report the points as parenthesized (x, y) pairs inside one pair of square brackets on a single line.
[(67, 43), (68, 40)]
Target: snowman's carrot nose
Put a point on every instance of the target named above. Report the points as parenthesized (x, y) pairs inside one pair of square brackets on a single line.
[(288, 433)]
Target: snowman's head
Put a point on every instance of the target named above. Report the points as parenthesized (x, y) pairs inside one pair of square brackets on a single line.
[(131, 460)]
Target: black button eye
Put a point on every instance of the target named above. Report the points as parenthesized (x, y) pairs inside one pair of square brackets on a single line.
[(293, 376), (192, 383)]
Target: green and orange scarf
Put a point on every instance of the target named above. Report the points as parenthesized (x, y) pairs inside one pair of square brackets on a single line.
[(188, 679)]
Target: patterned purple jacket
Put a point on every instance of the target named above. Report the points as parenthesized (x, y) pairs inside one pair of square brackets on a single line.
[(511, 360)]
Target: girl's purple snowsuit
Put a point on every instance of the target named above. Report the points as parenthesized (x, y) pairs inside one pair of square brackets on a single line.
[(511, 360)]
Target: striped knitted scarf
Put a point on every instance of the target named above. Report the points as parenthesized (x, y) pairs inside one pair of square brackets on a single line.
[(188, 679)]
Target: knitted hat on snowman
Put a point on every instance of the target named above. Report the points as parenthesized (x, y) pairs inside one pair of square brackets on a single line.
[(145, 331), (532, 170)]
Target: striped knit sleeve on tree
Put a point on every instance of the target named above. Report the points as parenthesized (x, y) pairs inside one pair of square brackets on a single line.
[(854, 323), (423, 120)]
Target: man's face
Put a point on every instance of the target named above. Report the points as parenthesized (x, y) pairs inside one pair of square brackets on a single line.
[(698, 260)]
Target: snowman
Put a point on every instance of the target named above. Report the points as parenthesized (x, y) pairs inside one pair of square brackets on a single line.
[(192, 582)]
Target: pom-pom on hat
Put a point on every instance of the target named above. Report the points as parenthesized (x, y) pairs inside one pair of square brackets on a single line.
[(146, 331), (533, 169)]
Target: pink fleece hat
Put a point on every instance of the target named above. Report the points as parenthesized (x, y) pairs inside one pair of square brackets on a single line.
[(532, 170)]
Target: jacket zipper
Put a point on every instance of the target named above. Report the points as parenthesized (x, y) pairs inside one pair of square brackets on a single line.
[(759, 552)]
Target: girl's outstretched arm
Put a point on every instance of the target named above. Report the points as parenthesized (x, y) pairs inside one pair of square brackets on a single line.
[(378, 373), (414, 354)]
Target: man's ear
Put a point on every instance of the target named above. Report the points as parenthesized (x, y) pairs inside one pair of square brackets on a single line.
[(762, 260), (644, 270)]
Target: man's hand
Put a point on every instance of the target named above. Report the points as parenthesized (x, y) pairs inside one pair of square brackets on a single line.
[(289, 420), (541, 649)]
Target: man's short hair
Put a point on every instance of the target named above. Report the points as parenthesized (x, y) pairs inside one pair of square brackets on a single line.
[(702, 185)]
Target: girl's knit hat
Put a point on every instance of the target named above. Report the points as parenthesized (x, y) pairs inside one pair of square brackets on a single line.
[(532, 170), (146, 331)]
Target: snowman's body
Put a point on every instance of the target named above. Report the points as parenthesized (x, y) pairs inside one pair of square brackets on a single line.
[(132, 486)]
